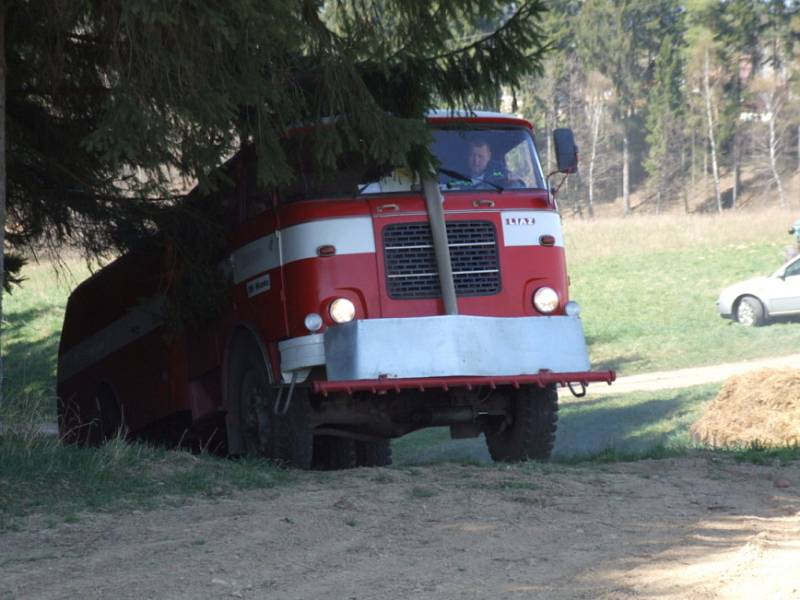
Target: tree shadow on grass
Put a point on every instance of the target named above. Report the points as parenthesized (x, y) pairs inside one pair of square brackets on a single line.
[(614, 363), (631, 423), (628, 424), (29, 364)]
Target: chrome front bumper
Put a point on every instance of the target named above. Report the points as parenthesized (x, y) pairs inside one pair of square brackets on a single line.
[(440, 346)]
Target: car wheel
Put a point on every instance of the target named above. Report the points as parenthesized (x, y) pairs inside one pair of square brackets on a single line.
[(750, 312)]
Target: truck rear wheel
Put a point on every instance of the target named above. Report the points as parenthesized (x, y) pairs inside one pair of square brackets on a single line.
[(333, 453), (92, 418), (532, 430), (374, 454), (253, 427), (108, 418)]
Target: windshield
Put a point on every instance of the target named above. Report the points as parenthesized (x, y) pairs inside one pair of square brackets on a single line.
[(473, 159), (478, 158), (486, 158)]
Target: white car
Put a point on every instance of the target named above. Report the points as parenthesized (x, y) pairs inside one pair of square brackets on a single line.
[(754, 301)]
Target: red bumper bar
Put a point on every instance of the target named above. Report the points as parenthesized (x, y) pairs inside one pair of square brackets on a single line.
[(542, 378)]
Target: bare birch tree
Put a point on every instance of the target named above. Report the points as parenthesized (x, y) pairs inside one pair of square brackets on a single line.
[(708, 98), (598, 95), (770, 90)]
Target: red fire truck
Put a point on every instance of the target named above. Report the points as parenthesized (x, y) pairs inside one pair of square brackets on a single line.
[(363, 306)]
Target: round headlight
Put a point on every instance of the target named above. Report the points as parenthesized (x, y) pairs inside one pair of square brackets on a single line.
[(545, 300), (342, 310), (313, 322), (572, 309)]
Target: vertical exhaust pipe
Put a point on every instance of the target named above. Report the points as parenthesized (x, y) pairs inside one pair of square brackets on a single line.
[(434, 202)]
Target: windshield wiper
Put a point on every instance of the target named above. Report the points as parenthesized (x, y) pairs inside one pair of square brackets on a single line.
[(460, 176)]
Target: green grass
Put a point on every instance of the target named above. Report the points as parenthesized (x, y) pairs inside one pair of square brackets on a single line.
[(39, 475), (647, 287), (656, 311), (604, 429), (32, 318), (765, 455), (636, 422), (626, 425)]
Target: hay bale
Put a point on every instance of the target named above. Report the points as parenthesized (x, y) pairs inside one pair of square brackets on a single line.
[(761, 407)]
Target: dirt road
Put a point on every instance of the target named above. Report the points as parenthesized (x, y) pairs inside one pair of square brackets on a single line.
[(690, 528), (681, 378), (682, 528)]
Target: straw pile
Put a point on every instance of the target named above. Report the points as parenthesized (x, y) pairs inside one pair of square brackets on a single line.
[(762, 407)]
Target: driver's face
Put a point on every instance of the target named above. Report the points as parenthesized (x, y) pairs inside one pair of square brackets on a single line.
[(478, 158)]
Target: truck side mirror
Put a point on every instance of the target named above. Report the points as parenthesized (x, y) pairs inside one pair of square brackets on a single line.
[(566, 150)]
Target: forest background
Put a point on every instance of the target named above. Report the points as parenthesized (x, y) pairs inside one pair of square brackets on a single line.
[(689, 106)]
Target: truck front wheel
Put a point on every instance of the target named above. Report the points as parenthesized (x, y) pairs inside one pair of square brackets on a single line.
[(529, 431), (253, 427)]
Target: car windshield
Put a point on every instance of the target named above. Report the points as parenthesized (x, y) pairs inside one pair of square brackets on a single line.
[(478, 158), (790, 269)]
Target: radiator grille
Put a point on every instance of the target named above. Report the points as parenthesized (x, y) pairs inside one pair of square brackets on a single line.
[(411, 261)]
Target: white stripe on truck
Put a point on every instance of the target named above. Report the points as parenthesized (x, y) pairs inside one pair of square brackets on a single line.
[(349, 235), (136, 323)]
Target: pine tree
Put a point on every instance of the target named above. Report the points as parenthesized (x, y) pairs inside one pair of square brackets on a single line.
[(738, 25), (664, 106), (108, 102), (620, 38)]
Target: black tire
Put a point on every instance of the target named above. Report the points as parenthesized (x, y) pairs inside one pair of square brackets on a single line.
[(374, 454), (333, 453), (108, 423), (532, 431), (91, 419), (253, 427), (750, 312), (70, 430)]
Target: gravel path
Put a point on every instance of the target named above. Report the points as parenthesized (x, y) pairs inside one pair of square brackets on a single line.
[(681, 378), (682, 528)]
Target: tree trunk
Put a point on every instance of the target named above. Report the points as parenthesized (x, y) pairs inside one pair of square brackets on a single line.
[(773, 158), (694, 160), (705, 168), (2, 178), (711, 140), (736, 170), (683, 173), (626, 197), (549, 125), (596, 114)]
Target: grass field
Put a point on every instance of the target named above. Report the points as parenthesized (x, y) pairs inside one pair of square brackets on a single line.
[(32, 317), (647, 286), (627, 424), (39, 475)]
